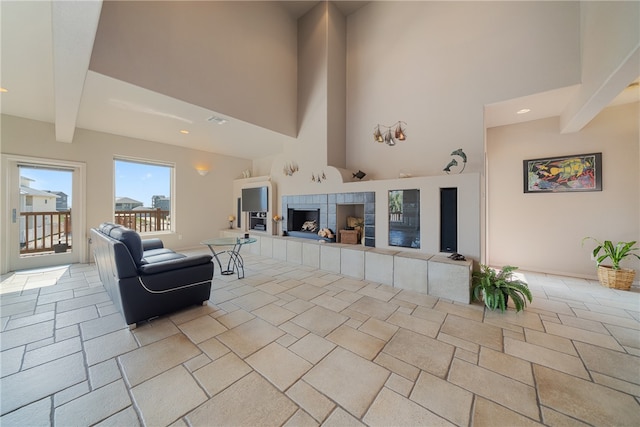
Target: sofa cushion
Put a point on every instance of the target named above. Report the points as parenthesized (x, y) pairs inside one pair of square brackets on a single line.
[(131, 240), (154, 252), (176, 264), (149, 244), (106, 227), (160, 257)]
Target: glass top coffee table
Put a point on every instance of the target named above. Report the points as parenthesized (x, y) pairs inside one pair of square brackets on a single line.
[(235, 258)]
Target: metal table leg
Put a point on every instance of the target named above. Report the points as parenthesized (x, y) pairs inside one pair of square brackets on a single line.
[(234, 257)]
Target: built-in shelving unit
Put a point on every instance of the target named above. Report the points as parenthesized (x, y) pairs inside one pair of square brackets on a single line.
[(258, 221)]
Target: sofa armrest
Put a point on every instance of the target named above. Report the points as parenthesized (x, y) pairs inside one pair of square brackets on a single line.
[(174, 264), (149, 244)]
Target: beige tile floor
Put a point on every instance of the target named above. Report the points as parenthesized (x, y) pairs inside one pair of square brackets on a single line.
[(297, 346)]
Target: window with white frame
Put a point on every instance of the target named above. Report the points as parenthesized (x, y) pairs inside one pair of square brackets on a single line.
[(143, 195)]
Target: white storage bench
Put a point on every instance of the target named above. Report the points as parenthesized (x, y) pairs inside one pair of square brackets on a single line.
[(450, 279)]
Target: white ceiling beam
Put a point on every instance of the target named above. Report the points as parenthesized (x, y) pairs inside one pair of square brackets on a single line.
[(582, 111), (74, 25)]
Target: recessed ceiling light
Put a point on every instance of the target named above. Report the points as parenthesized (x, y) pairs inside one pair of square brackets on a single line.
[(184, 131), (3, 90), (523, 111), (218, 120)]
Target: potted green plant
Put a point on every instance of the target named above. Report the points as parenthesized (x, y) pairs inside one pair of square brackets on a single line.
[(496, 287), (614, 276)]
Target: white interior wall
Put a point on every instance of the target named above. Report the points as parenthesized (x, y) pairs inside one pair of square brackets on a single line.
[(202, 202), (336, 87), (543, 232), (435, 64), (166, 46), (610, 52), (435, 68), (432, 64), (310, 149)]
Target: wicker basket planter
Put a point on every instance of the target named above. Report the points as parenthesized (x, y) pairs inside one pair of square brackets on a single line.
[(616, 279)]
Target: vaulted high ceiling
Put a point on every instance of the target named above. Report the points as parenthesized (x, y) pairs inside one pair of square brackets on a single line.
[(47, 49)]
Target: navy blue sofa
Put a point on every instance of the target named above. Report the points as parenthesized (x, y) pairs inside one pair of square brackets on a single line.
[(145, 279)]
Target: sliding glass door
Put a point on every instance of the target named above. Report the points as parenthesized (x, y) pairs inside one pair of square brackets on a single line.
[(45, 225)]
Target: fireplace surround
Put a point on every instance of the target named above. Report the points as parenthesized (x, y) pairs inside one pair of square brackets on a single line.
[(326, 210)]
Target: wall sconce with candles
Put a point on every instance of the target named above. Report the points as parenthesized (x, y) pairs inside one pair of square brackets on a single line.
[(390, 134)]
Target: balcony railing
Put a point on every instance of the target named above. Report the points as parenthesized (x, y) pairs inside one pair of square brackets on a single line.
[(144, 221), (45, 232), (51, 231), (396, 217)]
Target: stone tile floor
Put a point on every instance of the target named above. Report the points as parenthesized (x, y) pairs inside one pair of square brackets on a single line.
[(296, 346)]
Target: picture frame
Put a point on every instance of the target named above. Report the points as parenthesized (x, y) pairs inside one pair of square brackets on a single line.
[(560, 174)]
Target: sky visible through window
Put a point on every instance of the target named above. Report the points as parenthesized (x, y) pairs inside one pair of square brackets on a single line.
[(141, 181), (137, 181), (49, 180)]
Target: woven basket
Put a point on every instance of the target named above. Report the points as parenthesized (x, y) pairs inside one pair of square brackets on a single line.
[(616, 279)]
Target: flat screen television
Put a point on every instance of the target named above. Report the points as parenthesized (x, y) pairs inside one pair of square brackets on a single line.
[(255, 199)]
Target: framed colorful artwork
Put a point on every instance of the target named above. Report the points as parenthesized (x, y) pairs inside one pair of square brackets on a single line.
[(580, 172)]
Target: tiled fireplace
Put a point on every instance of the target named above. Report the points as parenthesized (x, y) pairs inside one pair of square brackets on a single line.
[(331, 211), (296, 220)]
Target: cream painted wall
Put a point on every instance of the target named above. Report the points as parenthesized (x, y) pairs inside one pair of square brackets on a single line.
[(431, 64), (610, 30), (336, 88), (166, 46), (435, 64), (317, 99), (610, 52), (311, 147), (202, 202), (319, 96), (543, 232)]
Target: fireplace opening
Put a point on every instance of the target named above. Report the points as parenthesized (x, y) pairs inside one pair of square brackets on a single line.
[(303, 220), (305, 223)]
